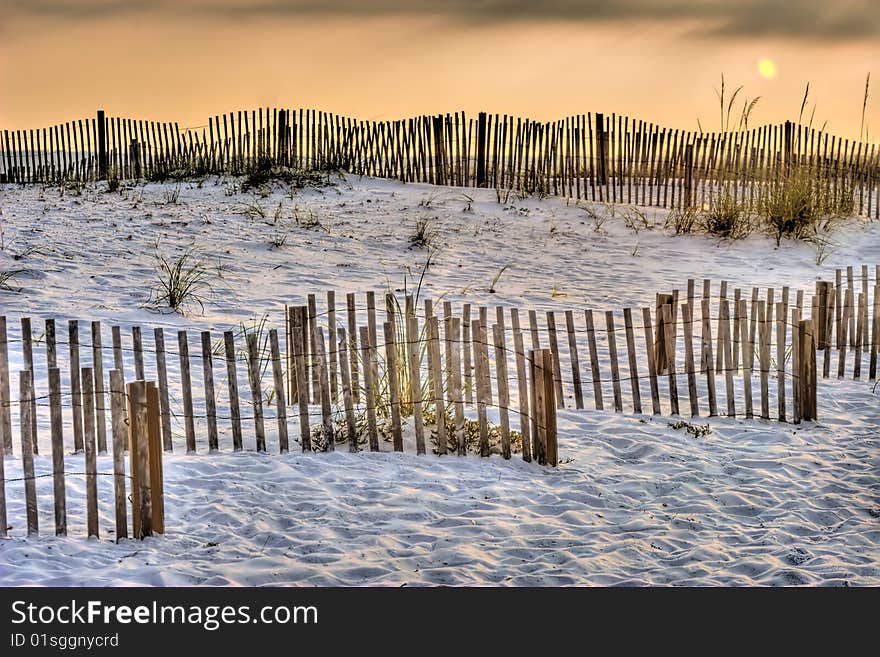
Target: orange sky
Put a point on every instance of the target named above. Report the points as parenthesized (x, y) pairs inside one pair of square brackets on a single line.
[(185, 66)]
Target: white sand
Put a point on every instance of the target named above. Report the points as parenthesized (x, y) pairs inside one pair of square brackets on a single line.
[(634, 501)]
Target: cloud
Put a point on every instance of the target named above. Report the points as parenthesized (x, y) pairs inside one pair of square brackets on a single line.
[(792, 19)]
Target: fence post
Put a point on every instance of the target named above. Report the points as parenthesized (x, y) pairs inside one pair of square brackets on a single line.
[(145, 459), (481, 149), (602, 151), (544, 406), (102, 146), (807, 365)]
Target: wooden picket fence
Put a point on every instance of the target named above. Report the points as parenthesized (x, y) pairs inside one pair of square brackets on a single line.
[(590, 156), (355, 381)]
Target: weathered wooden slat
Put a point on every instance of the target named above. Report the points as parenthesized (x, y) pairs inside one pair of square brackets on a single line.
[(186, 385), (26, 396), (280, 401), (57, 430), (503, 392), (162, 376), (5, 397), (370, 387), (119, 433), (210, 398), (255, 384), (345, 372), (91, 459)]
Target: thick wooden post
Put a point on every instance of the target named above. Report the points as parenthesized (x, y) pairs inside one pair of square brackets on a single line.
[(807, 364), (481, 149), (138, 454), (145, 459), (102, 146), (602, 148), (551, 449)]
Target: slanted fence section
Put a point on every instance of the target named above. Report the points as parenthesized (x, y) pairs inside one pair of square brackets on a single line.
[(590, 156)]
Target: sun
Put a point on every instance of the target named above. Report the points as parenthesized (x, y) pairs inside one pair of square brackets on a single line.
[(767, 69)]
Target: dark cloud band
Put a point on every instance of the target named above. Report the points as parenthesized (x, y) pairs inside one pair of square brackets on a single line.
[(797, 19)]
